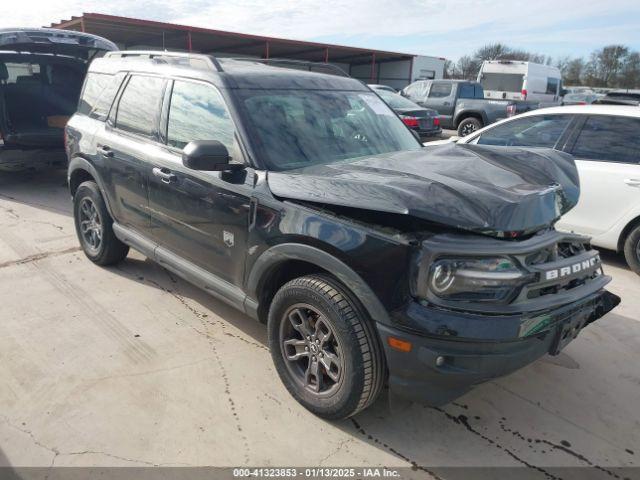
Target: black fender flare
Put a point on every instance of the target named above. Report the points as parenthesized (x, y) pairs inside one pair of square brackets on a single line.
[(80, 163), (298, 251)]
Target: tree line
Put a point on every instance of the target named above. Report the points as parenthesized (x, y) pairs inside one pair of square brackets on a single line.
[(613, 66)]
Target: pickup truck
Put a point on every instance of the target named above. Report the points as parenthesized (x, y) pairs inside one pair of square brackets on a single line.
[(461, 104)]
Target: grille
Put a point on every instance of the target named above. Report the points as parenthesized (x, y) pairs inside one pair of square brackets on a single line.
[(551, 259)]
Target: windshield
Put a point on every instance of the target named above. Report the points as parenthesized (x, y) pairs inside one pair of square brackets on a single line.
[(502, 82), (397, 101), (299, 128)]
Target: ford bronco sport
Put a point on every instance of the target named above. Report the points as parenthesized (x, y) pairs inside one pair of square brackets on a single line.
[(300, 198)]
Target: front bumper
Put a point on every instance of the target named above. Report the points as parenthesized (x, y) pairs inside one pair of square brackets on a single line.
[(445, 364)]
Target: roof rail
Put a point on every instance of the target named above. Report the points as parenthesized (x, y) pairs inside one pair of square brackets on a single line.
[(290, 63), (161, 55)]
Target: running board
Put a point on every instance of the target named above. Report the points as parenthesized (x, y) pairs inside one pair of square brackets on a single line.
[(186, 270)]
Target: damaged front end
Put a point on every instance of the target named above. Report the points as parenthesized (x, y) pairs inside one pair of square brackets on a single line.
[(491, 285), (484, 307)]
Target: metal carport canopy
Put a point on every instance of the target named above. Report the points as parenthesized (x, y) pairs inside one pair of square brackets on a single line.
[(133, 33)]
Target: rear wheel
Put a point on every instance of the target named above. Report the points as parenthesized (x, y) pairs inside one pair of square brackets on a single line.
[(468, 126), (324, 347), (632, 249), (94, 226)]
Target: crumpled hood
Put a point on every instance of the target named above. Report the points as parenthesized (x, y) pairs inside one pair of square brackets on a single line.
[(491, 190)]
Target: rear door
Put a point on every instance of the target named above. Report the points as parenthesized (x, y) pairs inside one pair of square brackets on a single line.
[(607, 153), (124, 145), (203, 217)]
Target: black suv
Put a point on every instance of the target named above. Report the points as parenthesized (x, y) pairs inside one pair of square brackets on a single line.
[(302, 199)]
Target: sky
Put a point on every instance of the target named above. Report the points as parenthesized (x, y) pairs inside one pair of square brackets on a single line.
[(444, 28)]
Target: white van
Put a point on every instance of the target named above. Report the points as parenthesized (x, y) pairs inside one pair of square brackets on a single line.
[(517, 80)]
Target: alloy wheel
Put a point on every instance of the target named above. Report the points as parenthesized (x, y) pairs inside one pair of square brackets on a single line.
[(91, 226), (311, 350)]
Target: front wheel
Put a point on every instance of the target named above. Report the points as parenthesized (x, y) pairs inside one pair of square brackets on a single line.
[(632, 249), (468, 126), (324, 347)]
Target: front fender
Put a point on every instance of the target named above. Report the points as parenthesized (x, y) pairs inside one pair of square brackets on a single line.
[(295, 251)]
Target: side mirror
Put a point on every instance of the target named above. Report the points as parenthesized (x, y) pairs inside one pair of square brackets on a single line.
[(208, 156)]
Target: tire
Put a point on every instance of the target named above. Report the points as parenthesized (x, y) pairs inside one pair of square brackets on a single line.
[(468, 126), (94, 226), (334, 393), (632, 249)]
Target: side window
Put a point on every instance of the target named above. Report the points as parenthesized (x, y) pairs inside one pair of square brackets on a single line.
[(552, 86), (467, 91), (198, 112), (139, 105), (535, 131), (479, 91), (97, 94), (609, 139), (440, 90)]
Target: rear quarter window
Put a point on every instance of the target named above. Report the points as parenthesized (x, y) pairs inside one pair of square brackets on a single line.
[(98, 94), (609, 139)]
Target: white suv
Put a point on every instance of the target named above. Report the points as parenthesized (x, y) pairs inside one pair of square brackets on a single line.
[(605, 141)]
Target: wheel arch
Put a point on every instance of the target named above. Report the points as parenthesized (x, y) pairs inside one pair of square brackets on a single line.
[(81, 170), (286, 261), (463, 115), (626, 231)]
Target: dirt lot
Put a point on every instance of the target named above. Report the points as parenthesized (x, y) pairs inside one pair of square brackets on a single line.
[(130, 366)]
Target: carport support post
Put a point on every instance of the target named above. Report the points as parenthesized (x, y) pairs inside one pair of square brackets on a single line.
[(373, 66), (189, 44), (326, 55), (266, 50)]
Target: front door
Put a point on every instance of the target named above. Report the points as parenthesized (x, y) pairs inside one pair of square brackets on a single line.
[(203, 217), (442, 98)]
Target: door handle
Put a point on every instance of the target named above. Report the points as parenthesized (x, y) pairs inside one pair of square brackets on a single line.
[(632, 182), (105, 151), (446, 104), (165, 175)]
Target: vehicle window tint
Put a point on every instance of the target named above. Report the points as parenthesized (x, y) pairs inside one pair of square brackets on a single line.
[(198, 112), (139, 105), (552, 85), (440, 90), (479, 91), (97, 95), (467, 90), (535, 131), (610, 139)]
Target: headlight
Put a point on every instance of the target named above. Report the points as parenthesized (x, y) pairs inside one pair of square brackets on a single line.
[(475, 279)]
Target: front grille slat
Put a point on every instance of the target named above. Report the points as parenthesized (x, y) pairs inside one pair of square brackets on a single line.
[(548, 259)]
